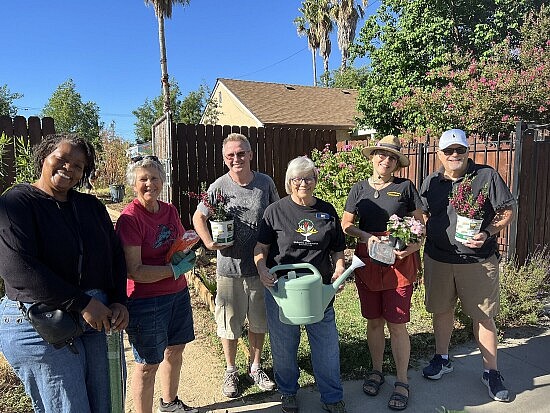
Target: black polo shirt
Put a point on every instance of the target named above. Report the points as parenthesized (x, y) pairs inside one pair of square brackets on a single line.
[(440, 229)]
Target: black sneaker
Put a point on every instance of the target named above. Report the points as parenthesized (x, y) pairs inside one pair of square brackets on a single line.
[(438, 367), (493, 380), (177, 406)]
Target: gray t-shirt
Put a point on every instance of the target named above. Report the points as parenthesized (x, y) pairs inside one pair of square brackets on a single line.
[(247, 205)]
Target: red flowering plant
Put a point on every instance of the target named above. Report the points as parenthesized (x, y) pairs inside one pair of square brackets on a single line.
[(216, 202), (465, 202)]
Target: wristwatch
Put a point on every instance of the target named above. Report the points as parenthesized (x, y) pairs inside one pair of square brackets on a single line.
[(486, 233)]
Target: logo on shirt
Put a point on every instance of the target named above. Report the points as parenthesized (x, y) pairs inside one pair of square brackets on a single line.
[(392, 193), (165, 234), (306, 228)]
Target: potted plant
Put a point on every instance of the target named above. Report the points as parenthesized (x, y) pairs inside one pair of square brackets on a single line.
[(404, 231), (468, 207), (221, 221)]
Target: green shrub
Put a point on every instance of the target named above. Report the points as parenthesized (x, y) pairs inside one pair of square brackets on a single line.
[(338, 172), (521, 289)]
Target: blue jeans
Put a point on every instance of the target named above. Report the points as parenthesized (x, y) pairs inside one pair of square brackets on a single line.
[(325, 353), (57, 380)]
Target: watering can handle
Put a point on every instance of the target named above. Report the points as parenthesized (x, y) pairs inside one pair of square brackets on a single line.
[(282, 267)]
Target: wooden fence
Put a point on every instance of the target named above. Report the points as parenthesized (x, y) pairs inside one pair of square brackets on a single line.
[(32, 131), (196, 156)]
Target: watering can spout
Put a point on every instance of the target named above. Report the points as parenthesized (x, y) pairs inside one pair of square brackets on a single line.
[(330, 290)]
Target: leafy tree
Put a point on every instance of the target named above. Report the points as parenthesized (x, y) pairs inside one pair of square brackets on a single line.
[(349, 78), (71, 114), (490, 94), (406, 39), (6, 101), (347, 13), (188, 110), (163, 9)]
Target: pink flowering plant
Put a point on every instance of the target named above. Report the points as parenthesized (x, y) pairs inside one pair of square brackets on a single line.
[(465, 202), (407, 229), (338, 172), (215, 201)]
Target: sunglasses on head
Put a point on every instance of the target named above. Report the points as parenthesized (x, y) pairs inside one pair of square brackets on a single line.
[(138, 158), (461, 150)]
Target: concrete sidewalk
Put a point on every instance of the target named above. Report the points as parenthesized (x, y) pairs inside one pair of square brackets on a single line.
[(524, 361)]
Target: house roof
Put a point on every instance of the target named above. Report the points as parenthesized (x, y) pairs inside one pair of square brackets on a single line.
[(277, 103)]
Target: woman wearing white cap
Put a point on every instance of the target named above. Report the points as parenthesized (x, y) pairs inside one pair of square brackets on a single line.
[(384, 291)]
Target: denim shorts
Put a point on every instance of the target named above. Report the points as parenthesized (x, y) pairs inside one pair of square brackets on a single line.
[(157, 323)]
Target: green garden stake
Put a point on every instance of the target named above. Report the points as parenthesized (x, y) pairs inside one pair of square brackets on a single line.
[(114, 356)]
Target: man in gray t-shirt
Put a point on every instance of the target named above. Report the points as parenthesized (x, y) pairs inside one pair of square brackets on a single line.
[(240, 294)]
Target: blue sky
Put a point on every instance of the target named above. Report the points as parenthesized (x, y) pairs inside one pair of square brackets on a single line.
[(110, 50)]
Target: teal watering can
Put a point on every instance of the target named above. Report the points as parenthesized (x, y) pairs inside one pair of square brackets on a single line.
[(301, 295)]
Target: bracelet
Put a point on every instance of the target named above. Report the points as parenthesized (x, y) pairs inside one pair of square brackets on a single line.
[(486, 233)]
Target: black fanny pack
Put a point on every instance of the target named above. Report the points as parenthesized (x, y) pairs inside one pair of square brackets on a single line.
[(55, 326)]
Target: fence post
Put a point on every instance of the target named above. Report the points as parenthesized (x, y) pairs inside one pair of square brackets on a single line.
[(518, 144)]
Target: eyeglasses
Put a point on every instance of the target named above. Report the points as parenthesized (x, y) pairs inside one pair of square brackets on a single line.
[(384, 155), (461, 150), (240, 154), (308, 180), (138, 158)]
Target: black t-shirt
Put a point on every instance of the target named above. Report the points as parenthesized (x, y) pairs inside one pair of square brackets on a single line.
[(299, 234), (441, 226), (400, 197)]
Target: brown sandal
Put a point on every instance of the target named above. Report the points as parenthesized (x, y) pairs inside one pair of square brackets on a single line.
[(399, 398), (372, 386)]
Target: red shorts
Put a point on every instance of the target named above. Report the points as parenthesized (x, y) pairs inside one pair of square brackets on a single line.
[(392, 305)]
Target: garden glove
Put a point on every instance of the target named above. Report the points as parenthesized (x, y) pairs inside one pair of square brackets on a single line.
[(185, 264)]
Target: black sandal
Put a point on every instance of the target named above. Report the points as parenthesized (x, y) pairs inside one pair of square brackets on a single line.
[(398, 397), (371, 386)]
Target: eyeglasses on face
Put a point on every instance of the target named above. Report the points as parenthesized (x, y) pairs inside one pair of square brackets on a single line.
[(138, 158), (460, 150), (307, 180), (234, 155), (384, 155)]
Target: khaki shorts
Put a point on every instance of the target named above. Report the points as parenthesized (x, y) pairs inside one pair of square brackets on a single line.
[(476, 285), (238, 299)]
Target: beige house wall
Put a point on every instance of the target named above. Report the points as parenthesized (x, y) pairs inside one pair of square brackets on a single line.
[(233, 112)]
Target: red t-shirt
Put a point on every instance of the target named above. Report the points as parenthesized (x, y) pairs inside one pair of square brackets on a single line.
[(154, 233)]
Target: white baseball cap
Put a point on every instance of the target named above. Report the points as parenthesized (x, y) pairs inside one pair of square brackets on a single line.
[(453, 137)]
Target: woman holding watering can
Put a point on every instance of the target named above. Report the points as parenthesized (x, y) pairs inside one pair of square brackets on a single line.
[(302, 228), (161, 319), (58, 247), (384, 291)]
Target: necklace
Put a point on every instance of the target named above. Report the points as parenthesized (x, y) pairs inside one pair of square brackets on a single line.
[(377, 190)]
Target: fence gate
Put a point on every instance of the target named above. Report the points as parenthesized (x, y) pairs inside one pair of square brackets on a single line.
[(530, 231), (161, 133)]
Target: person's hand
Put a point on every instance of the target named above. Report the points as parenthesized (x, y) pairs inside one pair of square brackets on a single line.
[(411, 248), (267, 279), (184, 265), (338, 271), (120, 317), (370, 240), (477, 240), (214, 246), (97, 315)]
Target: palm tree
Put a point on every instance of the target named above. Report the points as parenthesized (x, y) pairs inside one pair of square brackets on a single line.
[(163, 9), (324, 28), (306, 25), (346, 14)]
